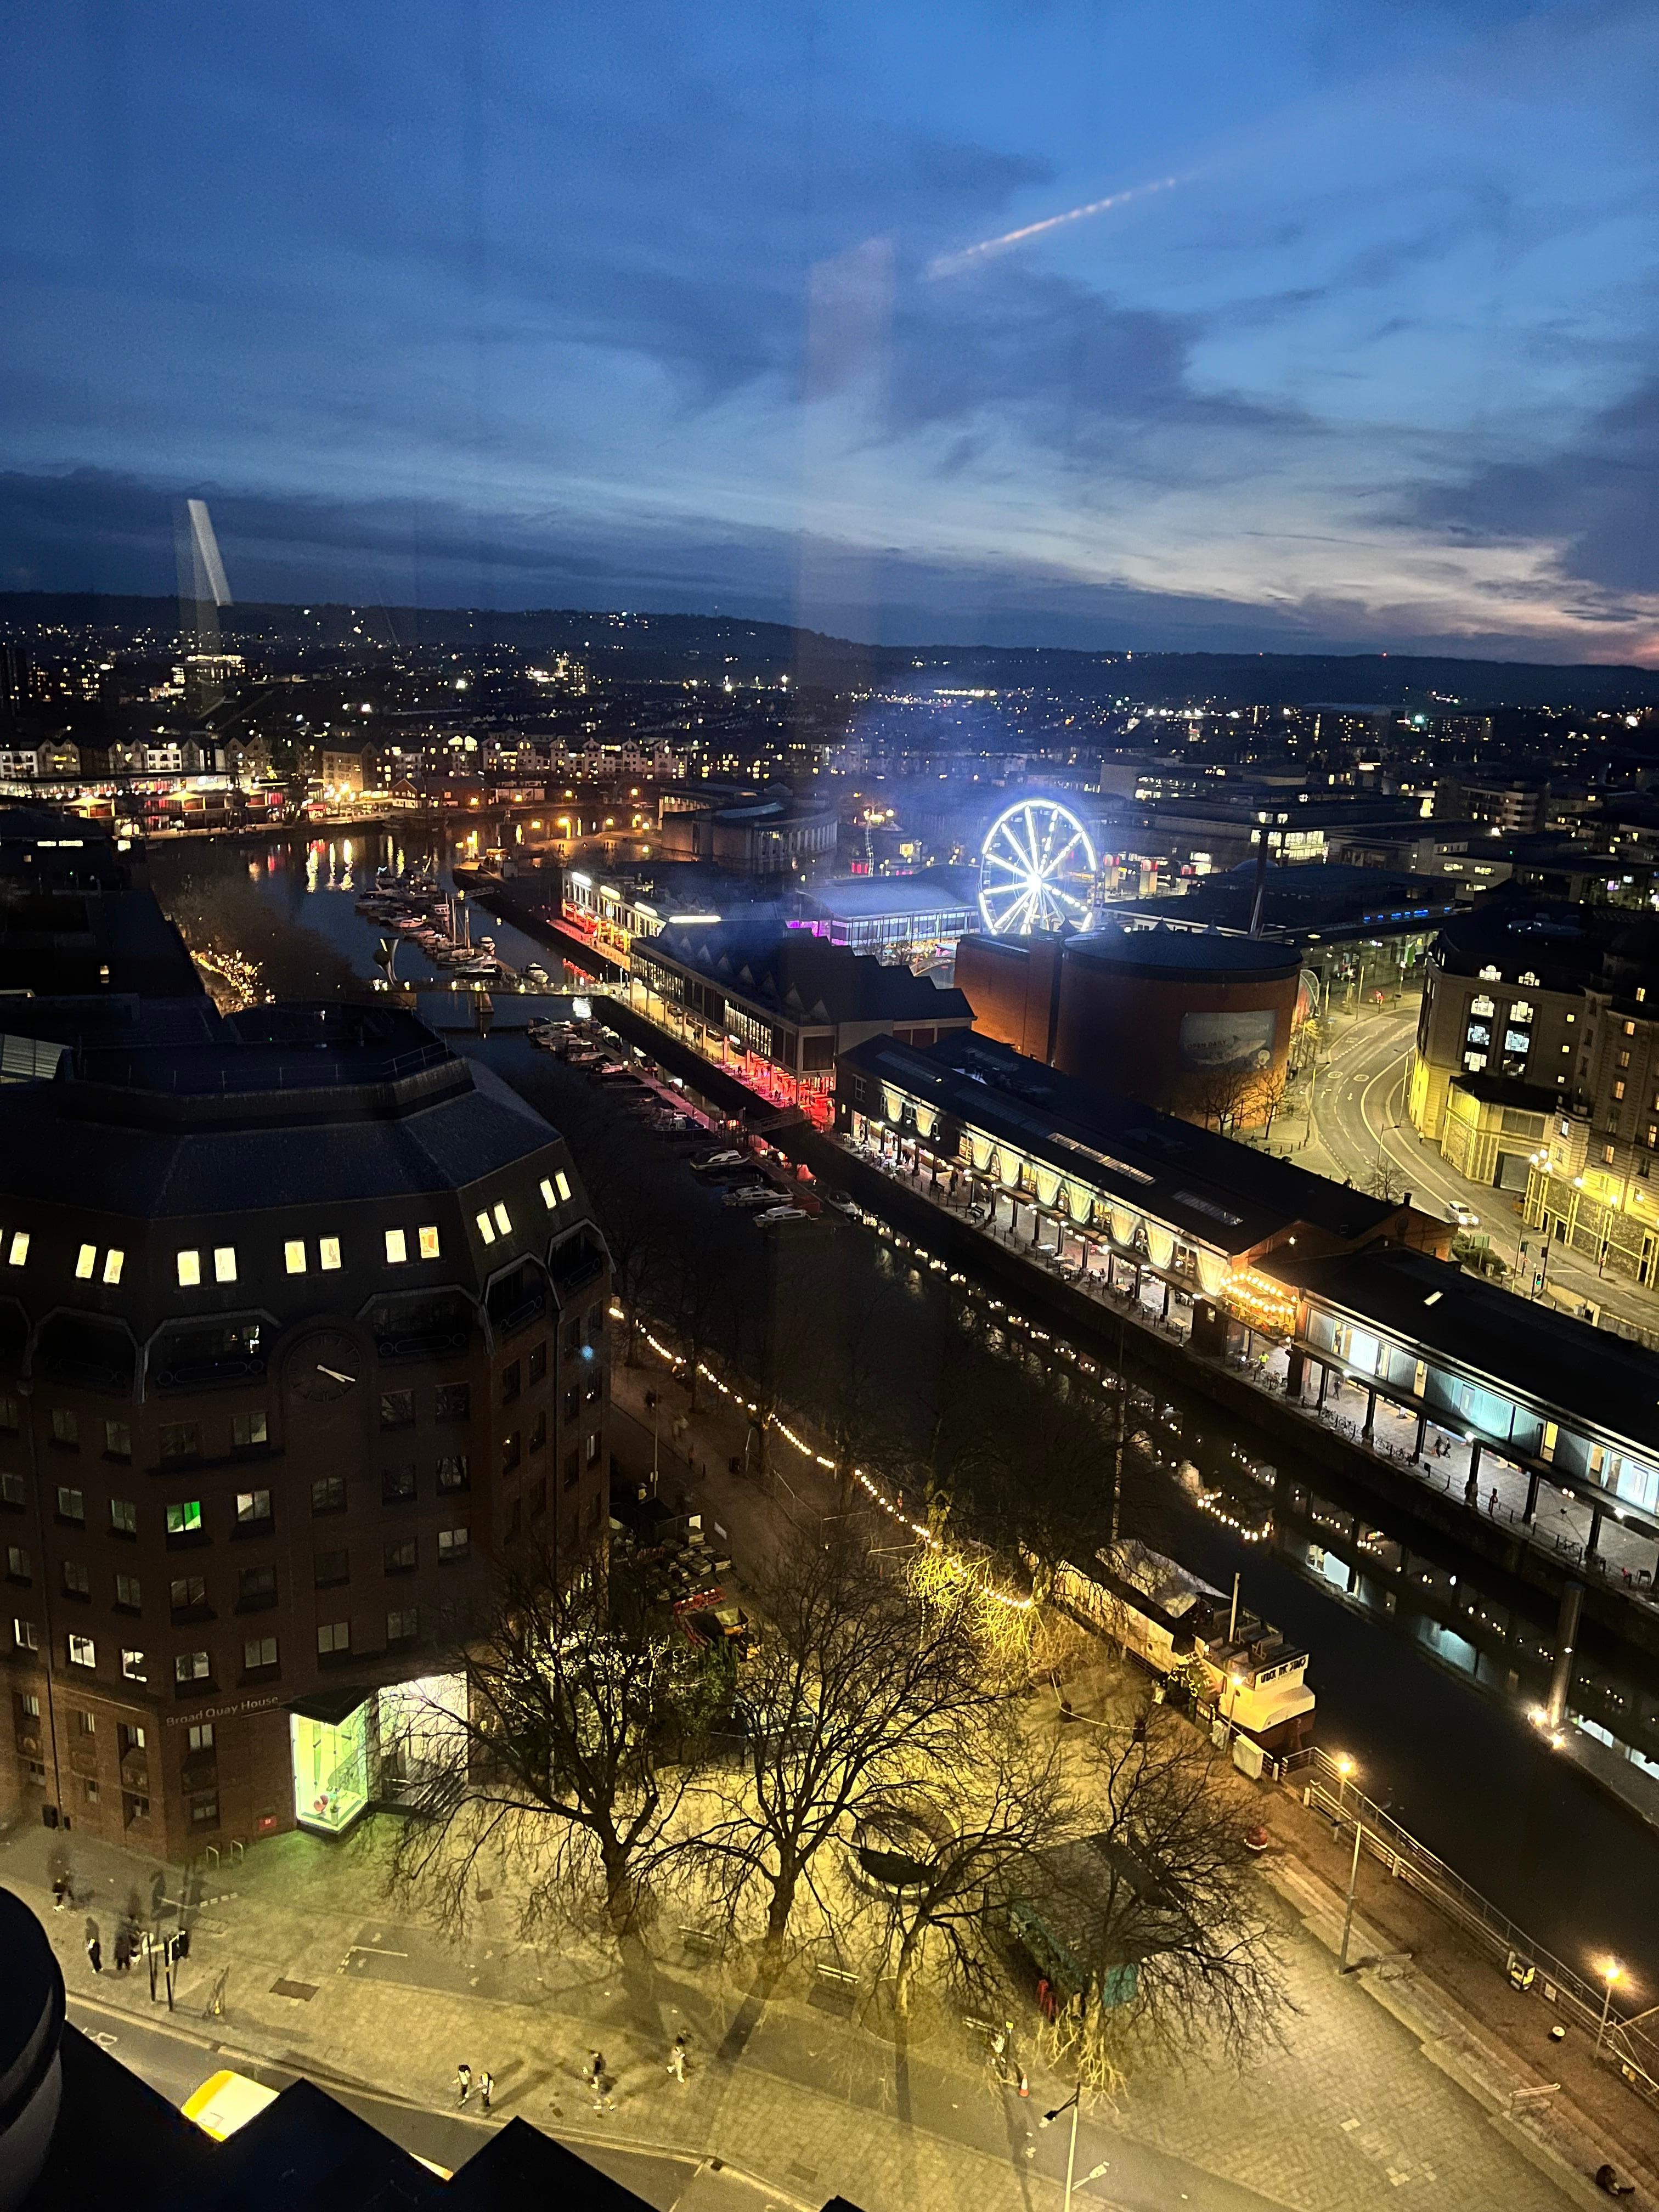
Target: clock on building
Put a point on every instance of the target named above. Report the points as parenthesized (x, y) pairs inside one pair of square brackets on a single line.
[(324, 1365)]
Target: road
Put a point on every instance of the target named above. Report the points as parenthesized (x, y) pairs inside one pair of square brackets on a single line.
[(175, 2063), (1360, 1125)]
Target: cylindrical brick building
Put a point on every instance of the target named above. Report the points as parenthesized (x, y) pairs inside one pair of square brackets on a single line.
[(1192, 1021)]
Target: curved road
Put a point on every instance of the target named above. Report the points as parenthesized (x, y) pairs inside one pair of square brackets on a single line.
[(1359, 1125)]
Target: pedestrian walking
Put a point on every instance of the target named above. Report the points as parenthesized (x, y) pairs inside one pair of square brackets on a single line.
[(595, 2077), (486, 2088), (95, 1954), (1491, 1501), (464, 2084), (677, 2058), (60, 1892)]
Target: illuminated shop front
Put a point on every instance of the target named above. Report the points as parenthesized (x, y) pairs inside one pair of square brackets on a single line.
[(329, 1736), (351, 1746)]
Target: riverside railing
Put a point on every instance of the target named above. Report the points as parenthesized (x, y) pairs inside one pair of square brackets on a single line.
[(1630, 2043)]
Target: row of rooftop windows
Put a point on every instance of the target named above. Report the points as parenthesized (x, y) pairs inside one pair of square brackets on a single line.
[(192, 1262)]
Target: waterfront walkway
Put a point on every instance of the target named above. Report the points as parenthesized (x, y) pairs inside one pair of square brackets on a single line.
[(1560, 1527)]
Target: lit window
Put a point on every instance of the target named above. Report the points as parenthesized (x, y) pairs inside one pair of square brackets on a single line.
[(123, 1517), (503, 1218), (20, 1247), (1608, 1155), (328, 1253), (334, 1635), (133, 1666), (485, 1229), (454, 1543), (184, 1520), (190, 1269), (85, 1260), (224, 1263), (396, 1247), (26, 1635), (82, 1652), (252, 1505), (562, 1184), (193, 1667), (113, 1262), (293, 1256), (547, 1199), (201, 1736), (429, 1242)]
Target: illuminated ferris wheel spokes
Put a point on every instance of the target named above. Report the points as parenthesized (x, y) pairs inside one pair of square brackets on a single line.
[(1038, 869)]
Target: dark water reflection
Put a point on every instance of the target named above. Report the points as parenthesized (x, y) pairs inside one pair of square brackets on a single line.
[(290, 902)]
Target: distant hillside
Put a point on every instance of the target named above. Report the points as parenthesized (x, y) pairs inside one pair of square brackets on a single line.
[(658, 645)]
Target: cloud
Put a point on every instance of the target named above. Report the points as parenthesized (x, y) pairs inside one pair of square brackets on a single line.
[(92, 529), (1060, 359), (1595, 499)]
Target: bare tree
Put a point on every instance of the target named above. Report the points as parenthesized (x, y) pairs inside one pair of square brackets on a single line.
[(1219, 1096), (1270, 1096), (1158, 1912), (566, 1767), (862, 1690), (934, 1869)]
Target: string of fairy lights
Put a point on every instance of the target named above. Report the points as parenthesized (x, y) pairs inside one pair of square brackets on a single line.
[(1217, 1503), (925, 1536)]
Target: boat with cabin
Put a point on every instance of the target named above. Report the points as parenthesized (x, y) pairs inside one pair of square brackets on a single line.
[(1168, 1617)]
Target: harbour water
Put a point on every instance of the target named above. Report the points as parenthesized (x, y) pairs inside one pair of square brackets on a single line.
[(291, 904)]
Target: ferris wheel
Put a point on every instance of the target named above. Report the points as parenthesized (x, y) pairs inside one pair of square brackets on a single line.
[(1037, 869)]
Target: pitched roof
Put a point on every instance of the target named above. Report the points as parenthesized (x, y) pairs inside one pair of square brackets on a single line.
[(1538, 1353), (798, 976), (1225, 1194)]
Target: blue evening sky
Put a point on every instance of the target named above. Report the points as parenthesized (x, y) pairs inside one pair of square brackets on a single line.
[(677, 306)]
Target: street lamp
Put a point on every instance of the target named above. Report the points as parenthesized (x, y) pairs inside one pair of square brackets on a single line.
[(1071, 2106), (1345, 1767), (1235, 1684), (1611, 1973)]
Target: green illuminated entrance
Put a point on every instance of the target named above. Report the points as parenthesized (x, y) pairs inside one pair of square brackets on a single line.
[(329, 1739)]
